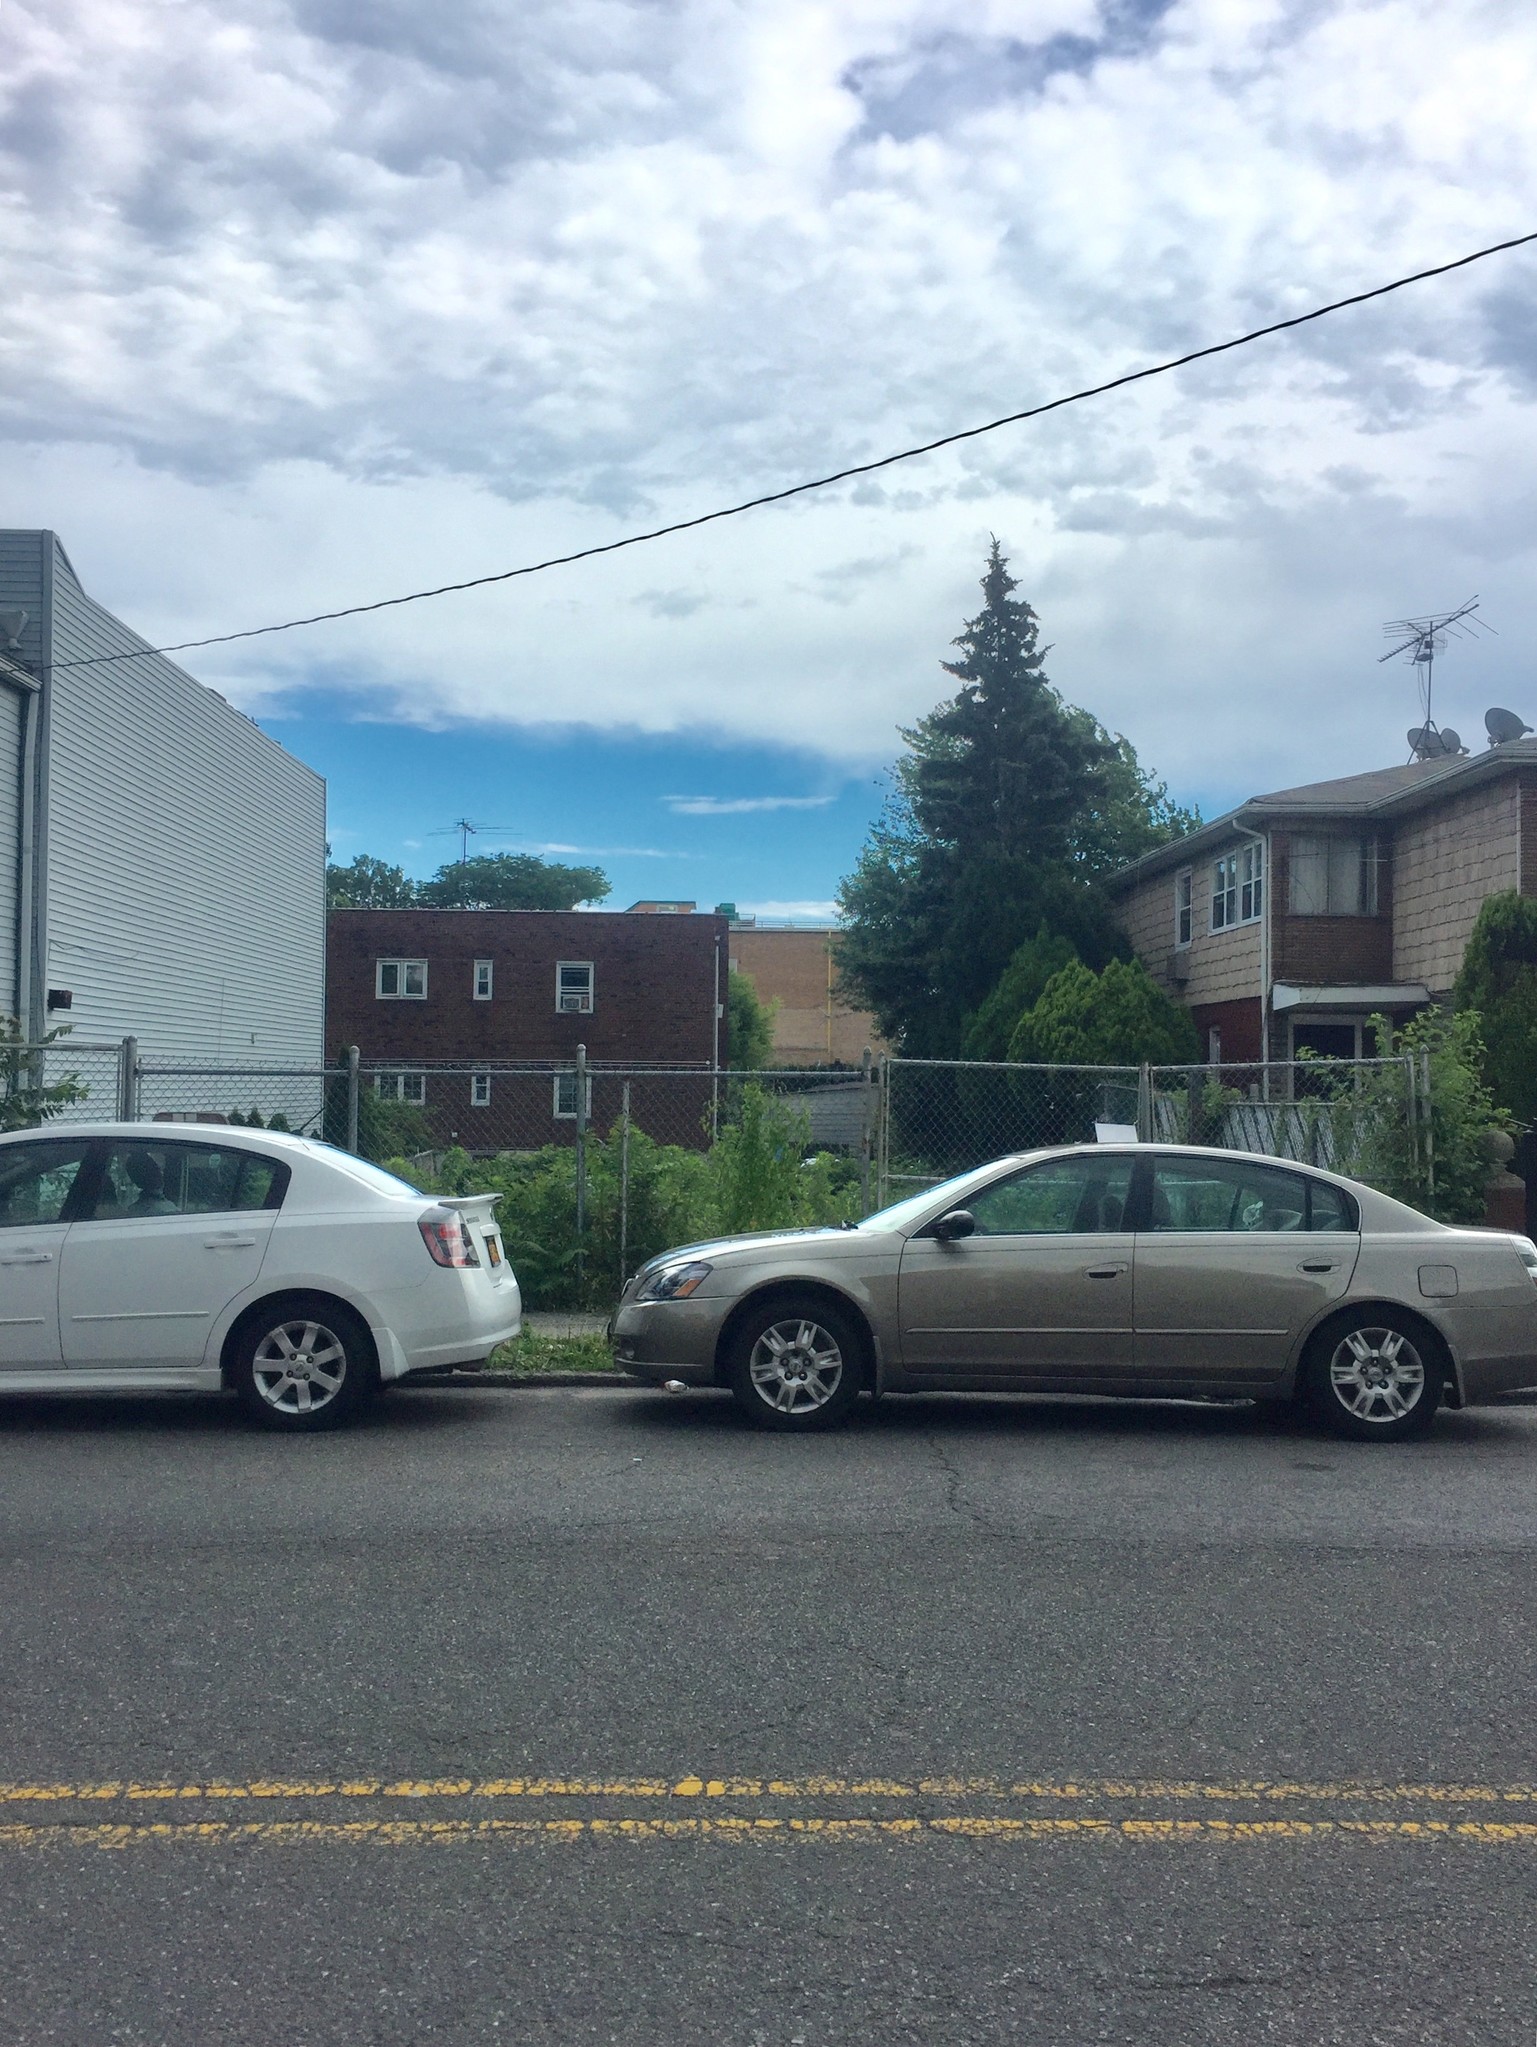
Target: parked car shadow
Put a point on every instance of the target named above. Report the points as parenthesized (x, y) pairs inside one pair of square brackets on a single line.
[(218, 1415), (1038, 1415)]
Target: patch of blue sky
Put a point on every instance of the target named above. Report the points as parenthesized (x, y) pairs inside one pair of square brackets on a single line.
[(670, 818)]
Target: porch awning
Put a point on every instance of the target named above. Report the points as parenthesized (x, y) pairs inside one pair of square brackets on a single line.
[(1405, 995)]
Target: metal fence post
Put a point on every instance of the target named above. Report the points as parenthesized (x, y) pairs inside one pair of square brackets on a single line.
[(581, 1156), (867, 1130), (883, 1136), (1144, 1103), (128, 1081), (1430, 1125), (624, 1185), (353, 1061)]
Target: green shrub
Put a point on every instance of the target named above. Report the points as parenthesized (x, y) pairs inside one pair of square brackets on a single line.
[(1444, 1176)]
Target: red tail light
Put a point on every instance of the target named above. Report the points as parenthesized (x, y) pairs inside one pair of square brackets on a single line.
[(447, 1236)]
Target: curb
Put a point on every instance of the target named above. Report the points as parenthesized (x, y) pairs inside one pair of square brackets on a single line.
[(513, 1382)]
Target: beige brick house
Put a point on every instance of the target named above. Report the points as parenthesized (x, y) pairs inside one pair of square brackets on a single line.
[(1287, 923), (797, 968)]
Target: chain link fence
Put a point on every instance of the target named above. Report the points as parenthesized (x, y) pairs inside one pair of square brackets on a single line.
[(940, 1117)]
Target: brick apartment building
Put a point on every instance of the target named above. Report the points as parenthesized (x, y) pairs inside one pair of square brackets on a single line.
[(1287, 923), (418, 991)]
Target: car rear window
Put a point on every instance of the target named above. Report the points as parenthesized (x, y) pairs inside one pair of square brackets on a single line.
[(145, 1176)]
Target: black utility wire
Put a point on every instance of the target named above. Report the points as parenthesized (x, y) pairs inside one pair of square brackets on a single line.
[(795, 490)]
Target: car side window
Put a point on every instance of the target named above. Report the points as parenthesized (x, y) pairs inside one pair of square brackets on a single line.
[(1331, 1208), (150, 1177), (1062, 1197), (1227, 1194), (36, 1180)]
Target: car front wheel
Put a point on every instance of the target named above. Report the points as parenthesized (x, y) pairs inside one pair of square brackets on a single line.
[(1376, 1376), (795, 1364), (303, 1363)]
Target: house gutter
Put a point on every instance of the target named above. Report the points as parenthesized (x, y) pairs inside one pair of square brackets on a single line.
[(29, 690)]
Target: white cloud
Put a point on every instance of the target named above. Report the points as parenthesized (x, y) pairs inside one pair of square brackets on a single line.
[(740, 806), (554, 846), (308, 301)]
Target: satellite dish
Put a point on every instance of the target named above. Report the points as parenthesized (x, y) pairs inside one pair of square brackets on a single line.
[(1425, 742), (12, 625), (1503, 726), (1451, 742)]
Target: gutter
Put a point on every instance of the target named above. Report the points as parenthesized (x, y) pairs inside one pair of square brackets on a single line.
[(29, 689)]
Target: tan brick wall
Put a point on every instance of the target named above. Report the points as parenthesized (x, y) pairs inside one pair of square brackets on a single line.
[(1444, 864), (1224, 966), (813, 1027)]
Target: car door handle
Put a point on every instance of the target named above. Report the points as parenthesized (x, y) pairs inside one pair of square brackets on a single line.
[(1103, 1271), (1318, 1265), (228, 1242), (26, 1257)]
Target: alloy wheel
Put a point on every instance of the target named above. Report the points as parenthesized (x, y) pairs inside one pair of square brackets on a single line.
[(299, 1367), (1377, 1375), (796, 1366)]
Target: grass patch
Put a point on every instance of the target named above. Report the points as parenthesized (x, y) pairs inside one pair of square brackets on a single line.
[(534, 1355)]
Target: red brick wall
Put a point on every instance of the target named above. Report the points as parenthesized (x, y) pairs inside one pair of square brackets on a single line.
[(1321, 952), (654, 987), (1239, 1023)]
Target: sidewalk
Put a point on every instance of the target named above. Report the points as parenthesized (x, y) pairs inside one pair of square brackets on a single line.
[(561, 1322)]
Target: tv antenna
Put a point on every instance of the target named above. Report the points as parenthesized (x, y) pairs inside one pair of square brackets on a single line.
[(467, 828), (1419, 642)]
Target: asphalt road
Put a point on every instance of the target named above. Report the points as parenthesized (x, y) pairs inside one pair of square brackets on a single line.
[(566, 1717)]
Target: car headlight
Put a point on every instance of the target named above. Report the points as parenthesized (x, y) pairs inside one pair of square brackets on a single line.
[(673, 1282)]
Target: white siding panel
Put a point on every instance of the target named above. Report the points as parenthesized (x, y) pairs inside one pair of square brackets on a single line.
[(10, 843), (186, 857)]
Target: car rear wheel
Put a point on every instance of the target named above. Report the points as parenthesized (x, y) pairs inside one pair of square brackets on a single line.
[(795, 1364), (1376, 1376), (304, 1363)]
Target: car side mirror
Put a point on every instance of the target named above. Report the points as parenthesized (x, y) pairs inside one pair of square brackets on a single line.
[(958, 1222)]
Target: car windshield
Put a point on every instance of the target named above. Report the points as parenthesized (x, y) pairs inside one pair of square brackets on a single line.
[(916, 1206)]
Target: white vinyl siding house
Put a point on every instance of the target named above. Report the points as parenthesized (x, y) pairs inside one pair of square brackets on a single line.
[(178, 871)]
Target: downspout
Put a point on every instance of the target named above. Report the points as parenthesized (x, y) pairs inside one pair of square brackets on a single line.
[(27, 689), (35, 1016), (1262, 840)]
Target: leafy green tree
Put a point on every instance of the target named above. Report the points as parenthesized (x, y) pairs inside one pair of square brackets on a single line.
[(1019, 988), (512, 881), (1006, 810), (369, 884), (1498, 983), (1117, 1018), (26, 1098), (749, 1023)]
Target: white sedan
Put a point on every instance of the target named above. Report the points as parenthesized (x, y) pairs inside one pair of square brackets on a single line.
[(137, 1257)]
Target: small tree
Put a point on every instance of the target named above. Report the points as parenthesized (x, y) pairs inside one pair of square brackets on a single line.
[(1117, 1018), (512, 881), (1439, 1165), (749, 1023), (26, 1098), (1498, 984)]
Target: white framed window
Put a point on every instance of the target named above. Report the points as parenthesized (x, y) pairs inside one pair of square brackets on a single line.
[(1184, 906), (1238, 887), (573, 988), (400, 980), (401, 1087), (480, 1090), (565, 1098), (482, 982), (1333, 877)]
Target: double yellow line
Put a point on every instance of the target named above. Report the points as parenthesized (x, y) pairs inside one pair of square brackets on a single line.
[(388, 1812)]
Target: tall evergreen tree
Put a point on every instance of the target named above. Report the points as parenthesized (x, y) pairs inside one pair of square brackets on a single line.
[(1006, 809)]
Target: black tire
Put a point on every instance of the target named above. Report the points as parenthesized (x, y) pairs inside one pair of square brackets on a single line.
[(1375, 1375), (795, 1362), (301, 1362)]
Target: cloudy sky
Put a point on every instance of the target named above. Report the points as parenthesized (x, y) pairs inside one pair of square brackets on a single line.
[(309, 301)]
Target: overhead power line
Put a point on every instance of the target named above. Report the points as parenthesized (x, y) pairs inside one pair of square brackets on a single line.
[(795, 490)]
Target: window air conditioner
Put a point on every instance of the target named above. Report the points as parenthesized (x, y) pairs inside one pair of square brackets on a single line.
[(573, 1002)]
